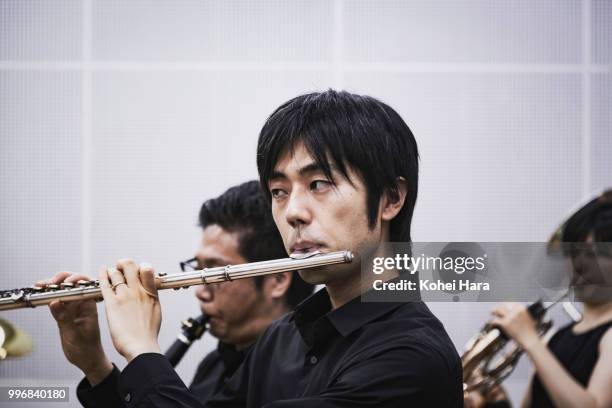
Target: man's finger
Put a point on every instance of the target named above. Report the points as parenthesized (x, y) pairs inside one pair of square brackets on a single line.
[(60, 276), (105, 286), (116, 279), (130, 271), (77, 277), (57, 278), (57, 310)]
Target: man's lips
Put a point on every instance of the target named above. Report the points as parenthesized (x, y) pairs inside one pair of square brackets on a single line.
[(305, 247)]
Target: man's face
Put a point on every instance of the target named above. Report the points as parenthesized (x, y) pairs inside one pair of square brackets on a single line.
[(312, 215), (231, 306)]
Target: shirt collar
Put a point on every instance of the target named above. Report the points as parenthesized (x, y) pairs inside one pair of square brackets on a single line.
[(346, 319), (231, 357)]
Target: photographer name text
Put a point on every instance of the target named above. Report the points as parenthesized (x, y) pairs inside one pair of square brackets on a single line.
[(431, 285)]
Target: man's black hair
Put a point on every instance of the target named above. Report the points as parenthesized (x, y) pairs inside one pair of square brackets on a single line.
[(345, 129), (245, 210), (594, 218)]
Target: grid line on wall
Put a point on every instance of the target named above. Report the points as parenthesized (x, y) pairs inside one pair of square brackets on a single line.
[(87, 135), (586, 98), (384, 67)]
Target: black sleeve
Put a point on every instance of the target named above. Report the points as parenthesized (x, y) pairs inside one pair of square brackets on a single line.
[(105, 394), (150, 381)]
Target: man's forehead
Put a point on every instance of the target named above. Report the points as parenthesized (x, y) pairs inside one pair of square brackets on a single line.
[(214, 237), (299, 160), (293, 158), (218, 245)]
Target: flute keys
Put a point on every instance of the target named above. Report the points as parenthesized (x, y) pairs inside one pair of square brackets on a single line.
[(53, 287), (66, 285)]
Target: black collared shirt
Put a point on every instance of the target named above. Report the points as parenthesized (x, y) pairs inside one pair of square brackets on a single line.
[(210, 376), (217, 367), (375, 354)]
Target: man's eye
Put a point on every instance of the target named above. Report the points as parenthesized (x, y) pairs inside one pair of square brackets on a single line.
[(277, 193), (319, 184)]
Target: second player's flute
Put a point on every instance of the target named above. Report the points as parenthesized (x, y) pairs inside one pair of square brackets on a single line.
[(83, 290)]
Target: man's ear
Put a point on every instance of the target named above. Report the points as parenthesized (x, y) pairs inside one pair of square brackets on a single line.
[(278, 284), (393, 201)]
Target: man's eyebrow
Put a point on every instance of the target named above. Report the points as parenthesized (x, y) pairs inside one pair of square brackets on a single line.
[(313, 167), (307, 170), (277, 175)]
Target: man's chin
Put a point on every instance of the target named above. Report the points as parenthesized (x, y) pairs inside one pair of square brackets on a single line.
[(324, 275), (215, 332), (314, 276)]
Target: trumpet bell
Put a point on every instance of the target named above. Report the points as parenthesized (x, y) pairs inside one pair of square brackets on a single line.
[(14, 342), (490, 357)]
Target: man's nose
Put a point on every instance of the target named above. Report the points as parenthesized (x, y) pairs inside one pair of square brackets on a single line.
[(298, 211)]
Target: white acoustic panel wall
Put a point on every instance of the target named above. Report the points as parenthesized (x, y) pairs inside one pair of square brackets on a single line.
[(195, 30), (500, 153), (601, 31), (40, 201), (601, 143), (40, 30), (471, 32)]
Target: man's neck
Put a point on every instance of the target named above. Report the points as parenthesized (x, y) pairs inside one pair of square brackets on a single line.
[(344, 290), (341, 291), (259, 324)]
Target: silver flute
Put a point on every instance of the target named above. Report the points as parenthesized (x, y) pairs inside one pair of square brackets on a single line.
[(90, 289)]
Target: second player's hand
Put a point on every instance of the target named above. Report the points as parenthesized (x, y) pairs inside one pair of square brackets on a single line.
[(132, 308), (79, 331)]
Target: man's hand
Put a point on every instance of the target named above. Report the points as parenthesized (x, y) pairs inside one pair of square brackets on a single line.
[(79, 331), (132, 308), (516, 322)]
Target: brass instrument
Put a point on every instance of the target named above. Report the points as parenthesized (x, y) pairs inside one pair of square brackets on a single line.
[(84, 290), (483, 366), (14, 342), (490, 356)]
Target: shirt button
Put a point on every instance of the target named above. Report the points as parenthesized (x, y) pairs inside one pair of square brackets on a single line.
[(314, 360), (128, 397)]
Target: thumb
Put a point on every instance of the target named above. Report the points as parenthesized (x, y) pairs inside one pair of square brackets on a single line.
[(58, 311), (147, 278)]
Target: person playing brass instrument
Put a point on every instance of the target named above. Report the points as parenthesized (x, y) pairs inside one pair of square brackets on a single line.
[(575, 368), (341, 173), (237, 227)]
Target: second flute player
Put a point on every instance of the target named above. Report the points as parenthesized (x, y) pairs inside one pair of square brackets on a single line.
[(341, 171)]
